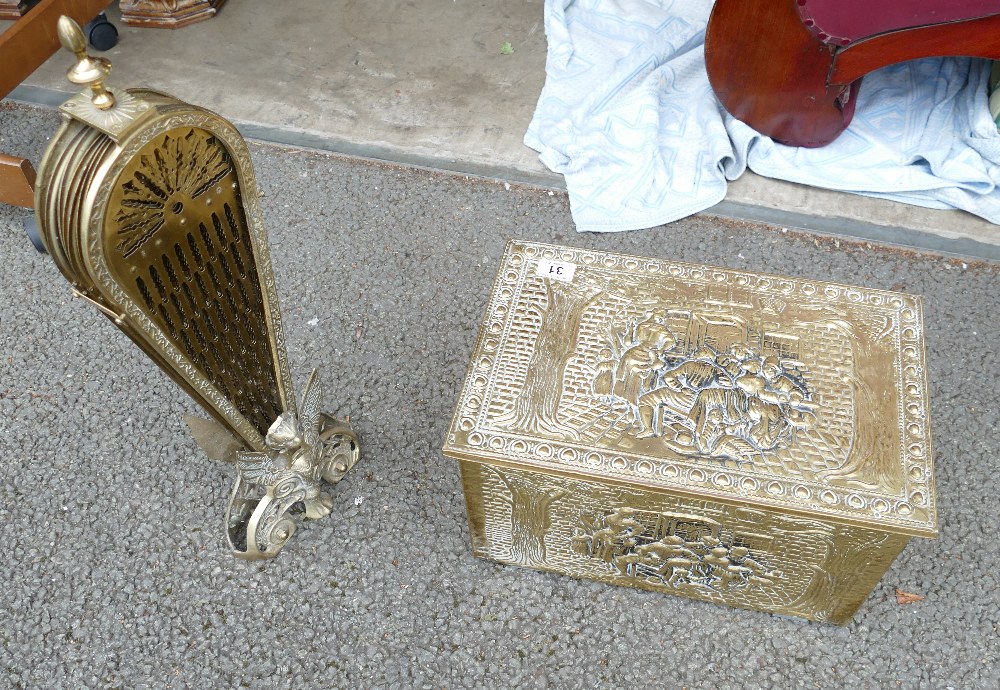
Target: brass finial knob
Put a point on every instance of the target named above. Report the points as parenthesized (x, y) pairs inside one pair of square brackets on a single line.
[(88, 70)]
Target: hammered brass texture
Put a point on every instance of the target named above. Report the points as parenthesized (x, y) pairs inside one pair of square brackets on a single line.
[(696, 548), (755, 440), (796, 395)]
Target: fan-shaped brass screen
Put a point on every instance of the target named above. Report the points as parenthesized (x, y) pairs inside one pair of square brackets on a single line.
[(179, 243)]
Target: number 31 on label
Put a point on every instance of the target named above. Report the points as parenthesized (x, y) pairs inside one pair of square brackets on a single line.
[(556, 270)]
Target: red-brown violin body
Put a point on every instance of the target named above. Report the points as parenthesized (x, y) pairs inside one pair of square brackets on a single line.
[(791, 68)]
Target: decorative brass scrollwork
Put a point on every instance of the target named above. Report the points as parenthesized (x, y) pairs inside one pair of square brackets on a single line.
[(149, 207), (304, 449)]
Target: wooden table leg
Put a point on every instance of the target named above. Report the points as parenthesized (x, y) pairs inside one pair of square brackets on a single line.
[(17, 181), (23, 47), (32, 39), (167, 14)]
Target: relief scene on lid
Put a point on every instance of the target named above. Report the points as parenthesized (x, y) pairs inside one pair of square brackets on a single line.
[(709, 372)]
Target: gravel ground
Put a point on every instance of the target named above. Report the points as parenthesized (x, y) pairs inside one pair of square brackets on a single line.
[(116, 573)]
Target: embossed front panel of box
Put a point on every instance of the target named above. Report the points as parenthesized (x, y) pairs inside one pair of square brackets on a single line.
[(748, 439)]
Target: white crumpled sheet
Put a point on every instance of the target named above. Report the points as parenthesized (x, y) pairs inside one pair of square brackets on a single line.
[(628, 117)]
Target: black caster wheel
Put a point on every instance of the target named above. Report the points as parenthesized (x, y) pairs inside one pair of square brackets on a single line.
[(31, 230), (101, 33)]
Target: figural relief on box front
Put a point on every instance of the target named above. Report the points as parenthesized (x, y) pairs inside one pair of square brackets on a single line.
[(673, 550), (685, 546)]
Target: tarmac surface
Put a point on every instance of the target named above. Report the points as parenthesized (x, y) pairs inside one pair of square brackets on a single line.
[(115, 569)]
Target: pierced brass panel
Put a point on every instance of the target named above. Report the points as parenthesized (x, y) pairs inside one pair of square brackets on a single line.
[(178, 241), (163, 231), (149, 207)]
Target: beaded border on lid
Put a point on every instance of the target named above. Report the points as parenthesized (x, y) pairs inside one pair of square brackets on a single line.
[(869, 477)]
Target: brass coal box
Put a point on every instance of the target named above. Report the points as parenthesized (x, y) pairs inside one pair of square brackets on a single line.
[(747, 439)]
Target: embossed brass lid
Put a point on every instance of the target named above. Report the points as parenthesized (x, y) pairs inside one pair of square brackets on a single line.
[(797, 395)]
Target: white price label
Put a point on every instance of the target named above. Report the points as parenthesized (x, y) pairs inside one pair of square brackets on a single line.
[(556, 270)]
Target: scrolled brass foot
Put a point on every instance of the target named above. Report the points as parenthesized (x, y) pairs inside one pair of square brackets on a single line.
[(304, 449)]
